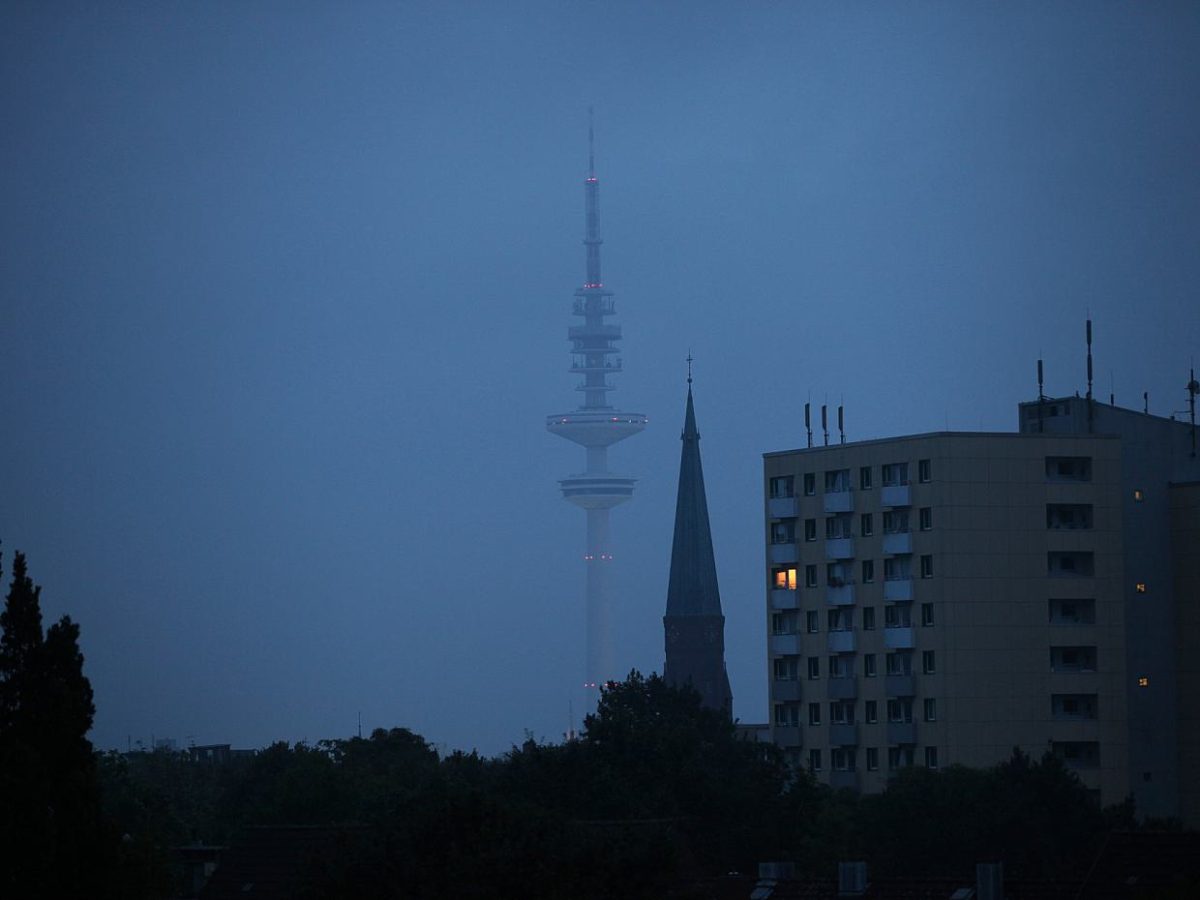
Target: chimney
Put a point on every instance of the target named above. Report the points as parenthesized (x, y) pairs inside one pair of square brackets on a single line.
[(852, 879)]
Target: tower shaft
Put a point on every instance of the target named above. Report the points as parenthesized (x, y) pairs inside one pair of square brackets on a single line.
[(596, 425)]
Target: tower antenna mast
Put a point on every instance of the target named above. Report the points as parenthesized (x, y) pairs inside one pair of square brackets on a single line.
[(596, 425)]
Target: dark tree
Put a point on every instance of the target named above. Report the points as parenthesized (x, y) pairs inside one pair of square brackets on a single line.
[(52, 831)]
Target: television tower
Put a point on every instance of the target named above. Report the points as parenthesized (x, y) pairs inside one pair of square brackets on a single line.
[(596, 425)]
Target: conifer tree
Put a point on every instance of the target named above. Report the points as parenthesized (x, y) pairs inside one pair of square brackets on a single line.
[(50, 827)]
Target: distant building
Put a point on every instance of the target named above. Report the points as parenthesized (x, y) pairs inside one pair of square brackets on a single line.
[(941, 598), (694, 625)]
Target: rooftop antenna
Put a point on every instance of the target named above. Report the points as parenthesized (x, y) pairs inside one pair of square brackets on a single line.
[(360, 725), (808, 422), (1193, 389), (1112, 397), (841, 424), (1146, 402), (1089, 373), (825, 422), (690, 360), (1041, 398)]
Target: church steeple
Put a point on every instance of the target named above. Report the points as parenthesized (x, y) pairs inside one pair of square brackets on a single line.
[(694, 624)]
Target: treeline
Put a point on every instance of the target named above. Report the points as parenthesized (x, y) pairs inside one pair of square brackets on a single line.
[(657, 793)]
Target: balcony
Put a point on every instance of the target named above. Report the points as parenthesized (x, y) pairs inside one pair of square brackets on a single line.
[(895, 495), (787, 735), (843, 688), (899, 638), (785, 644), (898, 590), (901, 733), (839, 548), (782, 598), (839, 502), (843, 778), (782, 508), (840, 641), (843, 734), (786, 691), (840, 595), (898, 543), (900, 685), (784, 553)]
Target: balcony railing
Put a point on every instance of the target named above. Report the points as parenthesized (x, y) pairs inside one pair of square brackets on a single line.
[(843, 688), (785, 644), (840, 641), (840, 594), (839, 548), (899, 685), (839, 502), (898, 543), (786, 691), (898, 589), (788, 735), (783, 553), (895, 495), (782, 508), (901, 733), (782, 598), (899, 637), (843, 734)]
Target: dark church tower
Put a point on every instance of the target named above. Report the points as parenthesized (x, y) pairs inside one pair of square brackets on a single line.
[(694, 625)]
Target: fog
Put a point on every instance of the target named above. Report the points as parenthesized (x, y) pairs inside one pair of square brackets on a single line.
[(284, 290)]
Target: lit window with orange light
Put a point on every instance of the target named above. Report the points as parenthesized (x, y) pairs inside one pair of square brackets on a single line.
[(1140, 587), (785, 579), (1138, 496), (1143, 681)]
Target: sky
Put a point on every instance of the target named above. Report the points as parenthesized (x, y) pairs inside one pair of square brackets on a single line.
[(284, 290)]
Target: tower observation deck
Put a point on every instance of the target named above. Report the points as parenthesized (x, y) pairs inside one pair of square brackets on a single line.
[(596, 425)]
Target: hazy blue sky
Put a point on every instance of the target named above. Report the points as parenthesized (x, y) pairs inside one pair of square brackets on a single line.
[(284, 290)]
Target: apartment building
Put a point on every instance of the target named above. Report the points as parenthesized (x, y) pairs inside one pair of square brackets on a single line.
[(939, 599)]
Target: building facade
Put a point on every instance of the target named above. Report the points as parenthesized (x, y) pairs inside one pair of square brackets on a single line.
[(943, 598)]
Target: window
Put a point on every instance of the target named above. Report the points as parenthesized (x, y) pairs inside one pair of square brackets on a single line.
[(783, 532), (926, 566), (869, 665), (928, 662), (810, 484), (924, 471), (895, 474), (841, 712), (1070, 564), (899, 663), (1072, 659), (787, 715), (814, 668), (1072, 612), (897, 568), (841, 619), (814, 760), (931, 757), (927, 614), (895, 521), (811, 621), (837, 481), (872, 759), (871, 711), (837, 527), (784, 579), (899, 709), (783, 622), (837, 574), (866, 526), (897, 615), (899, 757), (814, 714), (780, 487), (842, 759), (840, 667), (930, 709), (868, 618), (1068, 468), (1069, 516), (1138, 495), (926, 515), (786, 668), (810, 529), (810, 576), (864, 478), (868, 571), (1143, 681), (1140, 587)]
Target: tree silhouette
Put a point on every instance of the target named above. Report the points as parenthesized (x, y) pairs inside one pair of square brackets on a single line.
[(50, 827)]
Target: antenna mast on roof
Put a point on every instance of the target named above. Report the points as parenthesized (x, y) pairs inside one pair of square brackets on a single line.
[(808, 422), (1041, 398), (825, 422), (1193, 389), (841, 424), (1090, 411)]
